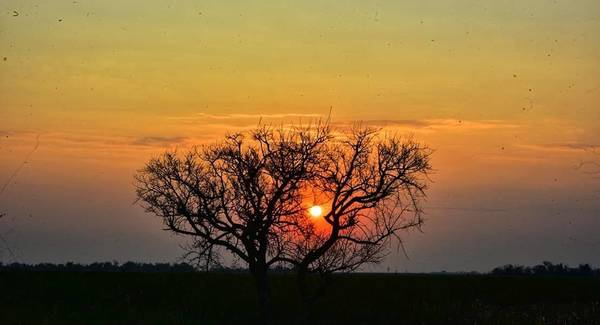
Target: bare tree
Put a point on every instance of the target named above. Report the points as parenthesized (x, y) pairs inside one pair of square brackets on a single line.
[(234, 195), (370, 186), (249, 196)]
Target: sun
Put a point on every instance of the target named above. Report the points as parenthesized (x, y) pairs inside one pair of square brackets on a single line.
[(315, 211)]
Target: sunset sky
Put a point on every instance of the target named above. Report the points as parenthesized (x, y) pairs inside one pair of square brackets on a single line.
[(507, 93)]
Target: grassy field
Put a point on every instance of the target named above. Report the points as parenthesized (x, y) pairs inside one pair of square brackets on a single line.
[(171, 298)]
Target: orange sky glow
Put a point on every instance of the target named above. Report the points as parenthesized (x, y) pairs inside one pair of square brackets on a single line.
[(506, 93)]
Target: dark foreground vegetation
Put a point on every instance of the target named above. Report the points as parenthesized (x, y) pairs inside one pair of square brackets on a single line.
[(229, 298), (544, 269)]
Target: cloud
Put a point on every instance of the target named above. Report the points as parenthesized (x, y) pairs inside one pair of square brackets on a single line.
[(158, 141), (398, 123), (91, 140), (564, 147), (254, 116), (514, 158), (440, 124), (200, 117), (149, 141), (244, 120), (209, 127), (17, 133)]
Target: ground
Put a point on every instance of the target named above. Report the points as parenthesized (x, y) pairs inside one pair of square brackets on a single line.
[(199, 298)]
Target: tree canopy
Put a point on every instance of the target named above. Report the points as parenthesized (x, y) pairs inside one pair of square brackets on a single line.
[(249, 195)]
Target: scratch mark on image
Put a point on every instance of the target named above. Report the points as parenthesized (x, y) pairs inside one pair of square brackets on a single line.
[(16, 172), (595, 169)]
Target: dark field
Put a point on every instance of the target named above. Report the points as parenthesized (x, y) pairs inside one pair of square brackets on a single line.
[(171, 298)]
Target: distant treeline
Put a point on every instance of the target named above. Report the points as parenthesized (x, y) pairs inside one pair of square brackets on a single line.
[(544, 269), (547, 268), (125, 267), (100, 267)]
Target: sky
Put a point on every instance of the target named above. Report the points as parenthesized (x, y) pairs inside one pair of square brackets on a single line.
[(507, 93)]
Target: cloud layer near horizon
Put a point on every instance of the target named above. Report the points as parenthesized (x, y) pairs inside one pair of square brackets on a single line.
[(75, 191)]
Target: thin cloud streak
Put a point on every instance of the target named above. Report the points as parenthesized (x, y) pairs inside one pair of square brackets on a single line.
[(563, 147), (221, 124), (70, 140), (439, 124), (159, 141), (236, 118), (204, 116)]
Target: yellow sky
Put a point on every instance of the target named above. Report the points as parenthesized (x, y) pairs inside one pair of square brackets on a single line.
[(506, 92), (91, 64)]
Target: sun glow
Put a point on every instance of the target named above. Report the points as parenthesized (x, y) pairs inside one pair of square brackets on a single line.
[(315, 211)]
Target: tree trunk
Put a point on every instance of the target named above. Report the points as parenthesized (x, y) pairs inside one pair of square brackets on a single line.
[(305, 296), (310, 293), (264, 295)]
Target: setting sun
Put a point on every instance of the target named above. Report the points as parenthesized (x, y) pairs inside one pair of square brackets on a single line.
[(315, 211)]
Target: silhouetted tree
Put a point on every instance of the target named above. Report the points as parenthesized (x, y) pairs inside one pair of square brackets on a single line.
[(249, 196), (370, 187), (236, 195), (546, 269)]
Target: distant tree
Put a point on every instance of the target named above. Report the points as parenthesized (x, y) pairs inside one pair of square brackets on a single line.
[(546, 269), (585, 270), (249, 196)]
